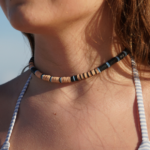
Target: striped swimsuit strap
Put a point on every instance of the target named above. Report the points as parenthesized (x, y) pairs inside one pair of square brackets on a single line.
[(145, 145), (6, 144)]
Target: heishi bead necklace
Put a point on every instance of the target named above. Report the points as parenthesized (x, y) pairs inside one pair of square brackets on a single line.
[(78, 77)]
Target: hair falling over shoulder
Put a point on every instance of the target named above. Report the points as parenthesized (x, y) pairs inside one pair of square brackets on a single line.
[(132, 27)]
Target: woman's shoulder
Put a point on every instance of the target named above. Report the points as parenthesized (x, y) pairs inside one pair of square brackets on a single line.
[(14, 86), (9, 93)]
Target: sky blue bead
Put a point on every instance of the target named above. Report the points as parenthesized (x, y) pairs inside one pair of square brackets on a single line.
[(118, 58), (98, 69), (42, 76), (74, 78), (35, 71), (51, 79), (60, 80), (108, 64), (125, 53)]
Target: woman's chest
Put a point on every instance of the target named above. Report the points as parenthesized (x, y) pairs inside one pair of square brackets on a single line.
[(110, 122), (78, 129)]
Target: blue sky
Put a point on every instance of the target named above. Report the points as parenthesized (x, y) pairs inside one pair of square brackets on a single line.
[(14, 50)]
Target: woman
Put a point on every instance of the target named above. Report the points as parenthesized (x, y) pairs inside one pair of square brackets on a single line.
[(70, 37)]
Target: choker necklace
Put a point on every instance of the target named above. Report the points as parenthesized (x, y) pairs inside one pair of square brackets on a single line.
[(78, 77)]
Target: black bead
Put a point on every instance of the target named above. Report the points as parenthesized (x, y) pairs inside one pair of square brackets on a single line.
[(113, 61), (87, 74), (95, 71), (32, 59), (122, 54), (83, 75), (76, 78), (72, 79), (91, 73), (33, 69), (127, 51), (103, 67), (80, 77)]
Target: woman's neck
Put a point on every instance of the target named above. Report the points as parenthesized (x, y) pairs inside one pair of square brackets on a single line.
[(76, 49)]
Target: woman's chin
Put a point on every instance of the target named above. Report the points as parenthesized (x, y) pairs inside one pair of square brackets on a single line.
[(26, 20), (22, 19), (17, 17)]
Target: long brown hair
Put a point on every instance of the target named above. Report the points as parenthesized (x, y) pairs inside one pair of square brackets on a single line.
[(131, 23)]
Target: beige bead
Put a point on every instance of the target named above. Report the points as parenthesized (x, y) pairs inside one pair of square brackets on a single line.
[(97, 71), (55, 80), (46, 77), (85, 75), (93, 72), (89, 73), (38, 74), (68, 79), (65, 79), (78, 77)]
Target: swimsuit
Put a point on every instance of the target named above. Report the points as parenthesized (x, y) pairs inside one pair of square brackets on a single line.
[(145, 145)]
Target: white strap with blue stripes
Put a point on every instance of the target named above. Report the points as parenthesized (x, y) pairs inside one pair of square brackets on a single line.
[(145, 145), (6, 144)]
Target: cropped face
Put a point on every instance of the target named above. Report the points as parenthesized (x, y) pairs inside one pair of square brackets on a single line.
[(35, 15)]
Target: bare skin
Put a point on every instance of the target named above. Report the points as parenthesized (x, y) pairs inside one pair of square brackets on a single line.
[(99, 113), (101, 118)]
